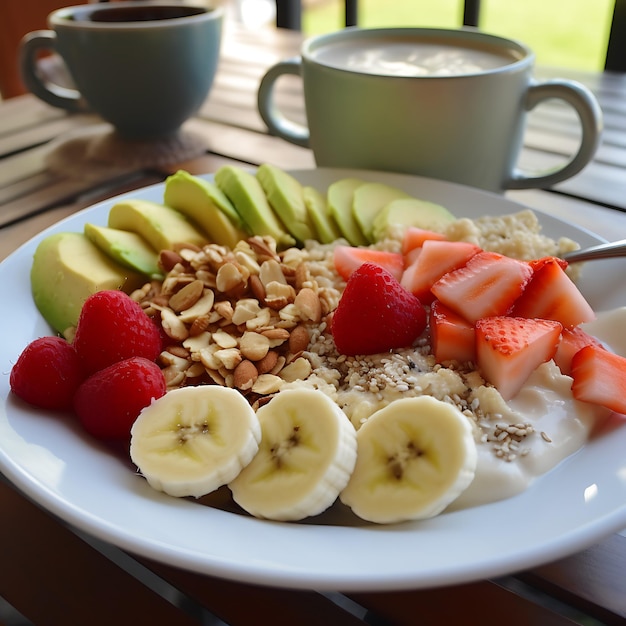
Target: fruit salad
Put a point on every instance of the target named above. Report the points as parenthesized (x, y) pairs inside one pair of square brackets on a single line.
[(355, 348)]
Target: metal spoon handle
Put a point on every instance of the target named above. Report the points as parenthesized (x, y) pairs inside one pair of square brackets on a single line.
[(601, 251)]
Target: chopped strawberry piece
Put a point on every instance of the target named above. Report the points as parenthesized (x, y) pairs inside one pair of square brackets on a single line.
[(487, 285), (411, 256), (537, 264), (376, 314), (415, 237), (509, 349), (452, 337), (552, 295), (600, 378), (349, 258), (435, 259), (572, 340)]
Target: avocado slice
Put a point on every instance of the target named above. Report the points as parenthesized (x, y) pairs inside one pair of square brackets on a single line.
[(367, 202), (285, 196), (411, 212), (245, 192), (205, 203), (161, 226), (340, 195), (67, 268), (126, 248), (319, 214)]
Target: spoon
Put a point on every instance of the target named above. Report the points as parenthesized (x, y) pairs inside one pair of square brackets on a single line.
[(601, 251)]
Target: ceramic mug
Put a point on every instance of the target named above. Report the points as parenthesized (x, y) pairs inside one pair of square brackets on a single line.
[(145, 67), (447, 104)]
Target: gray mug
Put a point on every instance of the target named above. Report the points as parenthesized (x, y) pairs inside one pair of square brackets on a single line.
[(145, 67), (443, 103)]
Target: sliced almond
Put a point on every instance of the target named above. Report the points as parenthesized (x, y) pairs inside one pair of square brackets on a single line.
[(267, 363), (187, 296), (245, 375), (308, 304), (298, 339), (173, 327), (254, 346), (300, 369), (267, 383)]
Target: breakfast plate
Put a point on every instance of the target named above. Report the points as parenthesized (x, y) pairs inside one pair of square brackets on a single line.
[(96, 489)]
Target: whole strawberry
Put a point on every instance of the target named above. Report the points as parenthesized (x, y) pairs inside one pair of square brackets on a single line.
[(112, 327), (109, 401), (376, 314), (47, 373)]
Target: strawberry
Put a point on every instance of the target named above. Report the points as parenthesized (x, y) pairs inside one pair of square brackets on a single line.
[(452, 337), (436, 258), (415, 237), (109, 401), (112, 327), (349, 258), (551, 294), (376, 314), (47, 373), (599, 377), (572, 340), (509, 349), (487, 285)]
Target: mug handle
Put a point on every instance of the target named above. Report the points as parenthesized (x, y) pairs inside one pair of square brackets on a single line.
[(56, 95), (590, 115), (276, 121)]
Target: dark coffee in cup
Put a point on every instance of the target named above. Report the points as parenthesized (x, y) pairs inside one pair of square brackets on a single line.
[(137, 14)]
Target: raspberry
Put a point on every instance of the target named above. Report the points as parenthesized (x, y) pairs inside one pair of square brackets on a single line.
[(376, 313), (47, 373), (109, 401), (113, 327)]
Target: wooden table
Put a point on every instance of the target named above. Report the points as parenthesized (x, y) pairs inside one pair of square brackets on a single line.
[(54, 574)]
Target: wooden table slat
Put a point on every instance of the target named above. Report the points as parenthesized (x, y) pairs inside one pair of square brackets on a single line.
[(479, 604), (284, 606), (594, 580), (99, 592)]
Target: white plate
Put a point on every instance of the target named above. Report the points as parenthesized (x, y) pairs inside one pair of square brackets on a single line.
[(51, 460)]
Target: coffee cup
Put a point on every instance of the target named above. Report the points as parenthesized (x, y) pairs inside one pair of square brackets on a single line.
[(145, 66), (443, 103)]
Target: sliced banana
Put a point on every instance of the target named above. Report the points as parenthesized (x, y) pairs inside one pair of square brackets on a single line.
[(194, 439), (306, 456), (415, 456)]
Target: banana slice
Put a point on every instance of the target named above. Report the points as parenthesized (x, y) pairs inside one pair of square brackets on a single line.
[(415, 456), (194, 439), (306, 456)]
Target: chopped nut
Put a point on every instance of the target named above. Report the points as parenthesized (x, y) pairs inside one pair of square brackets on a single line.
[(229, 357), (245, 375), (271, 272), (308, 304), (267, 363), (254, 346), (187, 296), (224, 340), (298, 339), (245, 310), (173, 327), (168, 260), (229, 276), (298, 370), (224, 309), (202, 307), (267, 383)]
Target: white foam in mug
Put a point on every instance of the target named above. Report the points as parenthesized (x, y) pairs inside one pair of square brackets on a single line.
[(443, 103)]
